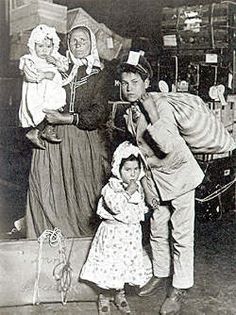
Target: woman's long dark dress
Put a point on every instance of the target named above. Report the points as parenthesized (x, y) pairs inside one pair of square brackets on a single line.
[(66, 179)]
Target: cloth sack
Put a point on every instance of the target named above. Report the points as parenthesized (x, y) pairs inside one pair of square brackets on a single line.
[(200, 128)]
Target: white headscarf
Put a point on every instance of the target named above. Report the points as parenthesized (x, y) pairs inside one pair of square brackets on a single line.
[(123, 151), (90, 61), (38, 35)]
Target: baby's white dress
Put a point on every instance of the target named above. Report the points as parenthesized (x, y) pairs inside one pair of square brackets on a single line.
[(39, 95)]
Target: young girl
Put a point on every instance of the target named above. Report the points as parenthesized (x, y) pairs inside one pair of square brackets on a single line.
[(116, 254), (42, 84)]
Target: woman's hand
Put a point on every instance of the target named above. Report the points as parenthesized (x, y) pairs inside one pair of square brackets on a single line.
[(54, 117), (149, 106)]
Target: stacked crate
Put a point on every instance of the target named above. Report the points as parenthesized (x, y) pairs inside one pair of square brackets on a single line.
[(200, 26), (232, 100), (14, 4), (25, 15), (220, 169), (226, 113)]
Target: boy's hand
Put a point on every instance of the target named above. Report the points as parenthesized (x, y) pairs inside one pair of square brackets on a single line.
[(135, 111), (147, 101), (151, 196), (132, 187), (149, 106)]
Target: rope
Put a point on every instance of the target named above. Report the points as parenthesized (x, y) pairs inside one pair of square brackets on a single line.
[(63, 278), (62, 273), (216, 193), (36, 283), (54, 237)]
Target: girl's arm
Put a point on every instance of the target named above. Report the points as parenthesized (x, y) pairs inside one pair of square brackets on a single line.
[(29, 70), (121, 206), (115, 199), (61, 62), (32, 74)]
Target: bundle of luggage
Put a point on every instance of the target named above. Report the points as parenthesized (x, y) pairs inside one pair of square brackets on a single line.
[(199, 26), (201, 129)]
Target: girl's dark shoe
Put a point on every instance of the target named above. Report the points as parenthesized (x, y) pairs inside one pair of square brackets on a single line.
[(172, 304), (121, 302), (104, 307)]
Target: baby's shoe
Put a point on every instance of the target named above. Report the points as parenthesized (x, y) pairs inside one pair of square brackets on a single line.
[(50, 135), (121, 302), (104, 307), (34, 136)]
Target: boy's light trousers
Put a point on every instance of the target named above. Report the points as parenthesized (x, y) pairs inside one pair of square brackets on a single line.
[(172, 234)]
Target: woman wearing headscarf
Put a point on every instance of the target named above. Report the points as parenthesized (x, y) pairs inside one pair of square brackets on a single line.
[(66, 179)]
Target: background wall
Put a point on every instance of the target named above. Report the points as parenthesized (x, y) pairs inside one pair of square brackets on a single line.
[(129, 18)]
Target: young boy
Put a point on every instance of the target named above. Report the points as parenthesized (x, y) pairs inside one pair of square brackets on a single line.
[(169, 184)]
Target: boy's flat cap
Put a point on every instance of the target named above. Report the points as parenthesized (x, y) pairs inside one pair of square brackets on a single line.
[(135, 62)]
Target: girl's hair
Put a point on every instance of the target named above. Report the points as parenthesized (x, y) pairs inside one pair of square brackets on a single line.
[(132, 157)]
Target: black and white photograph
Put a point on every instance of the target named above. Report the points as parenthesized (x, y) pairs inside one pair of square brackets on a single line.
[(118, 157)]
